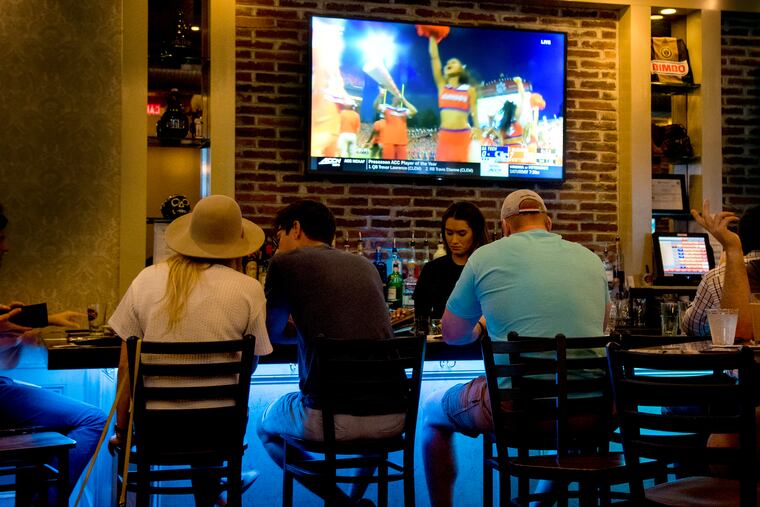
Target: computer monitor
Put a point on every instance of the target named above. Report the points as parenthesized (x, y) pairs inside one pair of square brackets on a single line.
[(681, 258)]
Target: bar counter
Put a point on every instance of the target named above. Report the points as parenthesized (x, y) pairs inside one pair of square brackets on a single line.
[(103, 352)]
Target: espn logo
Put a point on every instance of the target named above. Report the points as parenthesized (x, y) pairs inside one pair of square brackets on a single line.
[(332, 162)]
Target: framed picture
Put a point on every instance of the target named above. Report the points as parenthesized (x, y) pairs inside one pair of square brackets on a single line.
[(669, 194)]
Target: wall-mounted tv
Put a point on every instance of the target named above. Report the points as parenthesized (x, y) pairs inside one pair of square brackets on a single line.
[(403, 99)]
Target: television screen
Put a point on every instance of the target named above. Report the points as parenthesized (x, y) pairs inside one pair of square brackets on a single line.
[(403, 99), (682, 258)]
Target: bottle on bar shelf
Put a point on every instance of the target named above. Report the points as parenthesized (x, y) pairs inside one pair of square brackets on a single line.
[(619, 271), (608, 271), (426, 252), (395, 259), (440, 251), (395, 288), (380, 265), (410, 281), (360, 245)]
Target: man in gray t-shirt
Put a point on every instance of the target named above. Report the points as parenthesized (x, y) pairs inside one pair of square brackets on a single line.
[(322, 291)]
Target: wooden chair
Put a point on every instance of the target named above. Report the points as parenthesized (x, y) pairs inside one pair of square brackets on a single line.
[(354, 379), (29, 455), (548, 396), (198, 422), (644, 382)]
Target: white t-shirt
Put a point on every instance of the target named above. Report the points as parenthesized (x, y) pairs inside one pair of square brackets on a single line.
[(224, 305)]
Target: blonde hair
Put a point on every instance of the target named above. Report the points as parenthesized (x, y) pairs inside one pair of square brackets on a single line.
[(184, 273)]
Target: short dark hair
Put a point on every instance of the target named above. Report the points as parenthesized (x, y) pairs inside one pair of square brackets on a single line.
[(749, 229), (317, 221), (3, 219), (471, 214)]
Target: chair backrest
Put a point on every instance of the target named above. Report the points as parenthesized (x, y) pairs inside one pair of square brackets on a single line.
[(190, 389), (549, 393), (370, 377), (643, 382)]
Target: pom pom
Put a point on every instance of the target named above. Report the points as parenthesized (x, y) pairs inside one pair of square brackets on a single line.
[(536, 100), (437, 32)]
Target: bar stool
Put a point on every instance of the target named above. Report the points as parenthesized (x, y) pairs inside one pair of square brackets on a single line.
[(38, 460), (354, 379)]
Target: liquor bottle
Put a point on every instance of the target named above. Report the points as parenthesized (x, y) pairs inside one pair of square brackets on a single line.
[(395, 288), (440, 251), (410, 282), (380, 265), (360, 245), (346, 246), (619, 273), (173, 125), (426, 252), (608, 271), (395, 259)]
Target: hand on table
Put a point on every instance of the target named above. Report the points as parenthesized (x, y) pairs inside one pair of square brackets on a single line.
[(6, 326)]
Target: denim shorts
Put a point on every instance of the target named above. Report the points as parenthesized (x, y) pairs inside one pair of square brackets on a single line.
[(468, 407)]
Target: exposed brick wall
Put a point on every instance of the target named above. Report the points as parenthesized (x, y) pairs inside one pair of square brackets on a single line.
[(740, 67), (272, 81)]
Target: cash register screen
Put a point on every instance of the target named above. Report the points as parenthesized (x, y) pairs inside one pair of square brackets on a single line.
[(682, 258)]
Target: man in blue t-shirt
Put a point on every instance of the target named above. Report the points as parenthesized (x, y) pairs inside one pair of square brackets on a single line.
[(531, 281)]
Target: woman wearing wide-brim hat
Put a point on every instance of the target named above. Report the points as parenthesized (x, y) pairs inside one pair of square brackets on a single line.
[(196, 294)]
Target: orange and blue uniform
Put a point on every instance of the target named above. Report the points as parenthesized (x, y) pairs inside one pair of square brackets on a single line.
[(454, 144)]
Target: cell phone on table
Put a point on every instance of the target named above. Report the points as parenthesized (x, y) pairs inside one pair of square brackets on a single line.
[(31, 316)]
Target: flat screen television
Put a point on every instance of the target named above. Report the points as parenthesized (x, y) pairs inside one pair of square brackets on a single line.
[(401, 99), (681, 258)]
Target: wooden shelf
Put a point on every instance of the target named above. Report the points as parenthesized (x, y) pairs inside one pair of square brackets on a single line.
[(673, 88)]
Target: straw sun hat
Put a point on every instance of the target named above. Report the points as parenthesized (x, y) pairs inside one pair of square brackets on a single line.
[(216, 229)]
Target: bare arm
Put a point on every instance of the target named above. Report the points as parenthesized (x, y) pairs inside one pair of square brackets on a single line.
[(122, 408), (410, 107), (459, 331), (736, 292), (473, 93), (435, 62)]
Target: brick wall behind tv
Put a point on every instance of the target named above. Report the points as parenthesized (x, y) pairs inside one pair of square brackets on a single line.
[(272, 82), (740, 56)]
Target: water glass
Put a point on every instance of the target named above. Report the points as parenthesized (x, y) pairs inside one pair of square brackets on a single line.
[(639, 312), (722, 325), (669, 318), (96, 316), (435, 326)]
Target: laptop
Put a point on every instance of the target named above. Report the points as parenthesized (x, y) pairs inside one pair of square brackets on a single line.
[(681, 258)]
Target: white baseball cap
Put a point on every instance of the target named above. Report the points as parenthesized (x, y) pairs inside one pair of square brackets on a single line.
[(513, 201)]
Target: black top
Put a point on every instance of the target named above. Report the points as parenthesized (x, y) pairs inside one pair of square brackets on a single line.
[(434, 287)]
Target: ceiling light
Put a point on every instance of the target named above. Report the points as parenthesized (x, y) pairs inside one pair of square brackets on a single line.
[(667, 11), (195, 28), (656, 17)]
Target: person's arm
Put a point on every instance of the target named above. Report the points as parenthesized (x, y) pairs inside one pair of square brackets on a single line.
[(473, 93), (376, 105), (66, 318), (459, 331), (412, 110), (736, 293), (435, 63), (278, 311), (122, 407)]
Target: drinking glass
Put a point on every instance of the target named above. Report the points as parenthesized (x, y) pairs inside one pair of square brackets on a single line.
[(669, 318), (639, 312), (722, 325), (435, 326), (754, 309), (96, 316)]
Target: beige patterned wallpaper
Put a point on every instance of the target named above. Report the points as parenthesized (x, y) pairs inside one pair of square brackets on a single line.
[(60, 81)]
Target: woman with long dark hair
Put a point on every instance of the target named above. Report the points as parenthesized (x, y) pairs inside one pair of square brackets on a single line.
[(463, 229)]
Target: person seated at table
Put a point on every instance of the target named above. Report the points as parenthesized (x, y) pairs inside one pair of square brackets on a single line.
[(197, 294), (328, 292), (463, 230), (736, 293), (694, 321), (520, 283), (26, 405)]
